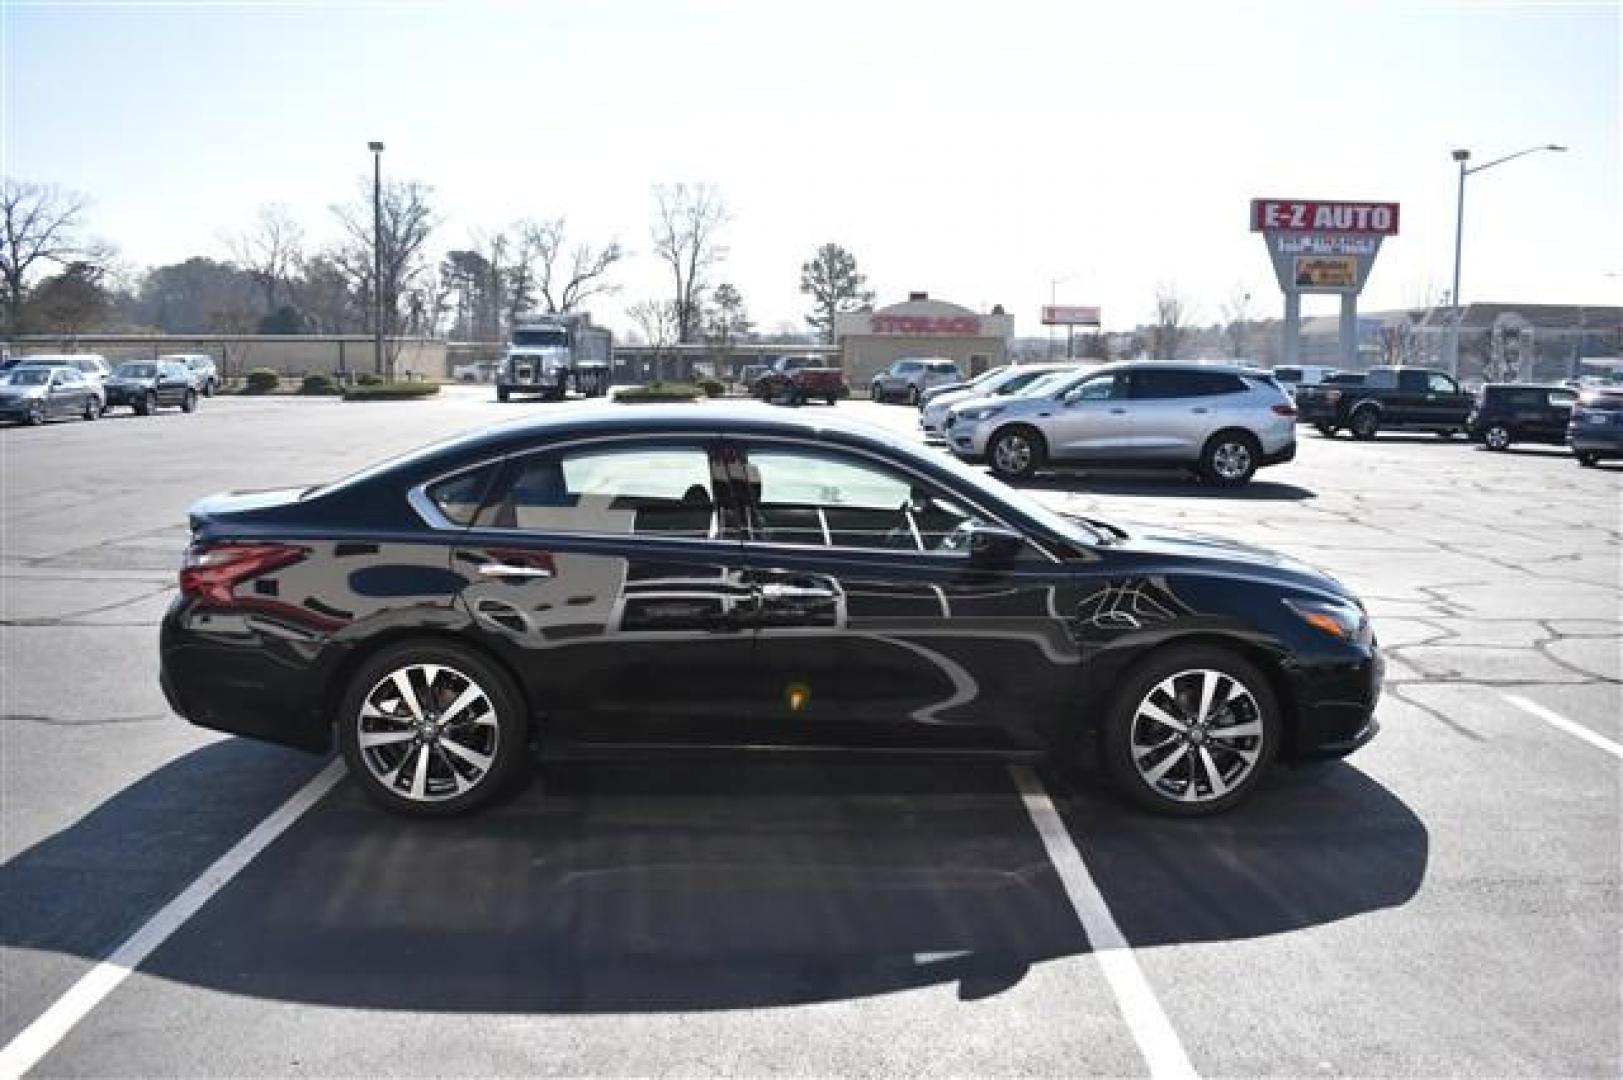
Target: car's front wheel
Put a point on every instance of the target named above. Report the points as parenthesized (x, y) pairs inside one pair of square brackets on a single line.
[(1587, 458), (913, 395), (147, 404), (92, 409), (876, 393), (1496, 437), (1191, 732), (1016, 452), (1365, 423), (432, 729), (189, 402), (36, 413)]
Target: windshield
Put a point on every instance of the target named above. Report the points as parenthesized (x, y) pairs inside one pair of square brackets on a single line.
[(552, 336), (1053, 382), (133, 371), (30, 376)]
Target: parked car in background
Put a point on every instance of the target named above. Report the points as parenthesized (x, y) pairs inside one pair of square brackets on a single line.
[(749, 374), (997, 383), (147, 385), (908, 378), (1387, 398), (205, 376), (1223, 423), (1506, 413), (1292, 377), (933, 392), (664, 579), (1595, 430), (90, 365), (35, 393), (796, 380)]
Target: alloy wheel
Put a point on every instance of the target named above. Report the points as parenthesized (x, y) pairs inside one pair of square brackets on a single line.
[(1196, 736), (427, 733), (1496, 438), (1012, 454), (1231, 460)]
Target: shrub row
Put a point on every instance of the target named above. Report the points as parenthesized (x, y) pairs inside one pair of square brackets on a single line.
[(658, 391), (378, 390)]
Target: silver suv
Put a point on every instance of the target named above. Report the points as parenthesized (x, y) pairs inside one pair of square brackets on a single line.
[(908, 378), (1224, 423)]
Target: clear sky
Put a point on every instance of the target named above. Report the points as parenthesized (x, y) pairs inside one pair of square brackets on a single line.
[(979, 151)]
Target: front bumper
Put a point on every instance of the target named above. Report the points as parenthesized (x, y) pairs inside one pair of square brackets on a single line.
[(16, 408), (1334, 701), (125, 395)]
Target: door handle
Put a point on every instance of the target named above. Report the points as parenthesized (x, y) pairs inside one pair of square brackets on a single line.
[(1199, 409), (1117, 412), (507, 570), (774, 591)]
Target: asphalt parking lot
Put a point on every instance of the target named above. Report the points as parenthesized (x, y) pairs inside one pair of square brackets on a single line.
[(1445, 902)]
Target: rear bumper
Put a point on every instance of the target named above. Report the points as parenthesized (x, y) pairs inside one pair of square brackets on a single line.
[(1282, 455)]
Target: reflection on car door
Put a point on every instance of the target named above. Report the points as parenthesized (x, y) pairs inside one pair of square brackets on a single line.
[(875, 627), (613, 574)]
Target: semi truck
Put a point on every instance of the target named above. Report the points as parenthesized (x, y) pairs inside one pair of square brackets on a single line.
[(552, 355)]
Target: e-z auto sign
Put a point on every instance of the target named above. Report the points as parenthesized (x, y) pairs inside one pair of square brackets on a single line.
[(1313, 216)]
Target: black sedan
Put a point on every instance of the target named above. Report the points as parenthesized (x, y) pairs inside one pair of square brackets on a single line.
[(618, 581)]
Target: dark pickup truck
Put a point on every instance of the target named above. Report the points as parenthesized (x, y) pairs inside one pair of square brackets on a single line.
[(795, 380), (1389, 398)]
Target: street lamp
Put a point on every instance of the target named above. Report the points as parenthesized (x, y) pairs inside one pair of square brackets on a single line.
[(1053, 299), (377, 255), (1462, 156)]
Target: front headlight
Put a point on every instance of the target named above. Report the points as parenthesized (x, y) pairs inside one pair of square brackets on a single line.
[(985, 412), (1345, 621)]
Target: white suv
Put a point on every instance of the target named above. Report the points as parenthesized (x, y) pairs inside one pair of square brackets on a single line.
[(1223, 423), (908, 378)]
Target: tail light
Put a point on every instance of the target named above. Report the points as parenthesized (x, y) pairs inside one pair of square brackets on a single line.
[(1284, 408), (213, 571)]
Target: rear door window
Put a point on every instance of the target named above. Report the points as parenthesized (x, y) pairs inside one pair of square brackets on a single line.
[(664, 491), (1438, 383), (1383, 379)]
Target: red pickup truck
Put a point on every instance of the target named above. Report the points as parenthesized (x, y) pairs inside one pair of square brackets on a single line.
[(795, 380)]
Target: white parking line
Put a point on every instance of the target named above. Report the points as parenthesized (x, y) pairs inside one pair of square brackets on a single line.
[(1160, 1045), (1556, 720), (38, 1038)]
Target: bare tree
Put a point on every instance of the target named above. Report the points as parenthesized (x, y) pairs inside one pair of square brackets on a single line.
[(834, 283), (271, 251), (560, 275), (406, 223), (1237, 321), (657, 320), (39, 224), (1172, 323), (687, 221)]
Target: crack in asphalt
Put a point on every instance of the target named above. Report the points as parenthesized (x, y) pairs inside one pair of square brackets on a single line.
[(98, 721)]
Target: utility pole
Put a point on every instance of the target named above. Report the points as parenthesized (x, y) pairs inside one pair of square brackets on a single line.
[(377, 257)]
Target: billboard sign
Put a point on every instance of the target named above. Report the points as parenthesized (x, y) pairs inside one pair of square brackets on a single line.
[(1318, 216), (1067, 315)]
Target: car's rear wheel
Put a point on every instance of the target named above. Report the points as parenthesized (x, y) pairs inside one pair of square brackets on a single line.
[(1191, 732), (1230, 458), (1496, 437), (1016, 452), (1587, 458), (92, 408), (147, 404), (1365, 423), (432, 729), (502, 393), (208, 387), (832, 399), (189, 402), (1327, 430), (876, 393)]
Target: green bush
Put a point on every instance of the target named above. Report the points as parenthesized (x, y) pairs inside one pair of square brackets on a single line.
[(378, 390), (658, 391), (262, 380), (713, 387), (318, 383), (366, 378)]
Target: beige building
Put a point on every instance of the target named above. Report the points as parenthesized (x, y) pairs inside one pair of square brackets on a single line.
[(870, 341)]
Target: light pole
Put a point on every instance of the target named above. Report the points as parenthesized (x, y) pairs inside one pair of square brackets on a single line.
[(1053, 299), (377, 256), (1462, 156)]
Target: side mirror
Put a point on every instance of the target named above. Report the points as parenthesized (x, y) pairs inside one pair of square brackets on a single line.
[(991, 544)]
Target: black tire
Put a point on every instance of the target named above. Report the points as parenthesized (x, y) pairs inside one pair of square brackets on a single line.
[(913, 396), (147, 404), (508, 750), (208, 387), (832, 399), (876, 393), (1587, 458), (1497, 437), (1230, 458), (1005, 456), (36, 414), (1364, 423), (92, 408), (502, 394), (1130, 773), (189, 402), (1327, 430)]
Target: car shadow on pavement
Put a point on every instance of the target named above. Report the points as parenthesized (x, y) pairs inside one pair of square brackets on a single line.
[(707, 885), (1160, 485)]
